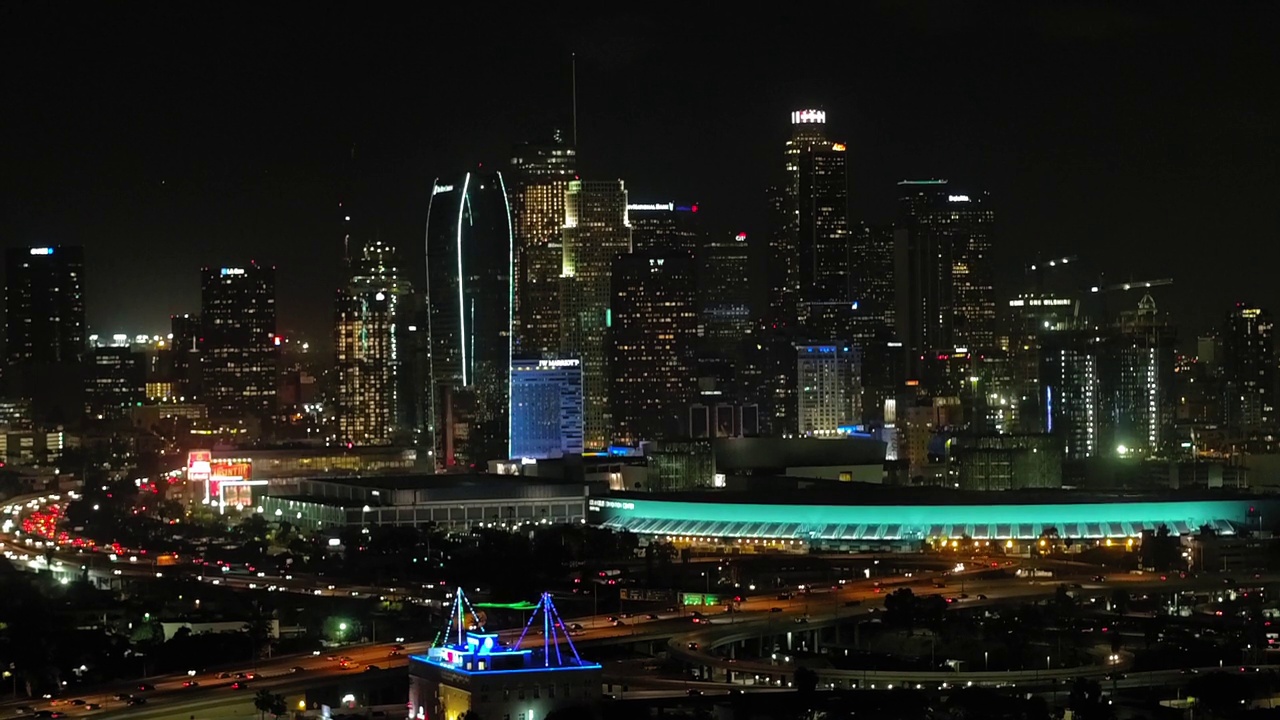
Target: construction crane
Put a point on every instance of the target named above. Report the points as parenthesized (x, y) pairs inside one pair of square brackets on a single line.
[(1131, 285), (1102, 288)]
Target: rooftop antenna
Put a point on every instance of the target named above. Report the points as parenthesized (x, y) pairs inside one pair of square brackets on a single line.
[(573, 64), (552, 630), (457, 616)]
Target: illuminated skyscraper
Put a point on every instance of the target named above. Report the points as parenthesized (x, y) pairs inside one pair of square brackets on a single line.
[(792, 217), (187, 367), (596, 231), (240, 349), (825, 307), (540, 175), (368, 335), (826, 388), (1248, 370), (808, 272), (664, 227), (942, 268), (1135, 375), (724, 296), (655, 326), (116, 381), (45, 329), (1069, 390), (546, 408), (469, 291), (871, 283)]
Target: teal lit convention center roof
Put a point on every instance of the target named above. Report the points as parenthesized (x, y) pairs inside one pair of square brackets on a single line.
[(910, 515)]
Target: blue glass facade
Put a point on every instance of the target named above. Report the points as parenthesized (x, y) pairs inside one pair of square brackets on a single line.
[(546, 408)]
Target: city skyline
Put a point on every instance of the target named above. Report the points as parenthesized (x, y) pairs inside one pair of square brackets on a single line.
[(1078, 148)]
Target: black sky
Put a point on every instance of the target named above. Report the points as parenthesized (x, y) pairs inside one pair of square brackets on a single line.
[(167, 136)]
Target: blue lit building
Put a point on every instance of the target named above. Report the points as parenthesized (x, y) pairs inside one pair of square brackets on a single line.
[(471, 671), (546, 408), (469, 293)]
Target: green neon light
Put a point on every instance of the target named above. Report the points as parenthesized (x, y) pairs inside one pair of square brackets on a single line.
[(522, 605), (922, 182)]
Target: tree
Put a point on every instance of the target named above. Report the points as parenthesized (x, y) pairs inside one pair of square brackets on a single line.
[(900, 608), (268, 702), (258, 628), (806, 682), (1063, 601), (1086, 700), (1159, 549), (1120, 601)]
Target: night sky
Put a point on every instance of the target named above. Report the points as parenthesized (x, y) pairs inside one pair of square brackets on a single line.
[(165, 137)]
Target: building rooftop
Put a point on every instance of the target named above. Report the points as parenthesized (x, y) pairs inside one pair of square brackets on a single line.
[(854, 494), (481, 653)]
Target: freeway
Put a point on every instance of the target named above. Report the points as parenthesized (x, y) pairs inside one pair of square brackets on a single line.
[(698, 646), (214, 696)]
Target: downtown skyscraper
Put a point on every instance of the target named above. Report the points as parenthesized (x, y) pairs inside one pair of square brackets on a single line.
[(470, 251), (942, 269), (808, 292), (539, 177), (45, 330), (654, 334), (369, 335), (1248, 370), (809, 260), (596, 231), (240, 350)]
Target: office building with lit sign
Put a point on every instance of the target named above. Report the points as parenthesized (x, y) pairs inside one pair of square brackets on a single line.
[(45, 330), (239, 349), (653, 338), (469, 294), (1248, 370), (826, 389), (942, 269), (546, 408), (664, 226)]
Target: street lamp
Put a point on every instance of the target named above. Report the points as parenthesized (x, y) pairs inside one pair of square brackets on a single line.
[(986, 660)]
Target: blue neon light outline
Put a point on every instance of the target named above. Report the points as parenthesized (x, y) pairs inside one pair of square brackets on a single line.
[(429, 661), (462, 305)]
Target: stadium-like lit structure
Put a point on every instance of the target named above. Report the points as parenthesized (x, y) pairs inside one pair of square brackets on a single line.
[(888, 515)]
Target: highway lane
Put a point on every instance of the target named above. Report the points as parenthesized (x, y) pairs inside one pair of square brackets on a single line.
[(697, 646)]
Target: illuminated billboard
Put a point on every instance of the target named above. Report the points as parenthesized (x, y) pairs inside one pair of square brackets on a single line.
[(198, 462), (229, 482)]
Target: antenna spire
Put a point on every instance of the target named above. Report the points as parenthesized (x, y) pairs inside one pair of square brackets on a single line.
[(574, 79)]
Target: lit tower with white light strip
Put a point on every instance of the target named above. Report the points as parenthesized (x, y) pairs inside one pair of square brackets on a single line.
[(469, 253)]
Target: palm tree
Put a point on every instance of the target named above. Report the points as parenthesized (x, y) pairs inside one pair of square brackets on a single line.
[(258, 628), (268, 702)]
